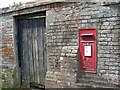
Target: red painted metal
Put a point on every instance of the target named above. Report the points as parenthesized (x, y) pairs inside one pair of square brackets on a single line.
[(87, 47)]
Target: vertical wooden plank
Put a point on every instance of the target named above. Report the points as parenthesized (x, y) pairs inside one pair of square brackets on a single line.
[(45, 48), (36, 46), (40, 51), (25, 53), (30, 51), (33, 51), (22, 53), (20, 47), (33, 43)]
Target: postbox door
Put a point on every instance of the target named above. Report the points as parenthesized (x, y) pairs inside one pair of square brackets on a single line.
[(87, 53), (87, 45)]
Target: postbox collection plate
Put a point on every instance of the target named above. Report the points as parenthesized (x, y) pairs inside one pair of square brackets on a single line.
[(87, 50)]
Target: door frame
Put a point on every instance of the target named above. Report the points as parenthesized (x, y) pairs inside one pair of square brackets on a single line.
[(15, 35)]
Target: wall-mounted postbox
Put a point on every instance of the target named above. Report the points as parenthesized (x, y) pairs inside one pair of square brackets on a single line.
[(87, 47)]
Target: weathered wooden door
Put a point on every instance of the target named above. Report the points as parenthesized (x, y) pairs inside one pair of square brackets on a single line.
[(31, 50)]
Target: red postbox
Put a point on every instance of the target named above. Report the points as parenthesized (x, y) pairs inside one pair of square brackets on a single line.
[(87, 47)]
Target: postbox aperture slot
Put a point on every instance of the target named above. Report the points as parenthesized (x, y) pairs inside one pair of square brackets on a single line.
[(87, 35)]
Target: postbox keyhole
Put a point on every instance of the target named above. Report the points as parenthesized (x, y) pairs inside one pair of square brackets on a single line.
[(86, 43)]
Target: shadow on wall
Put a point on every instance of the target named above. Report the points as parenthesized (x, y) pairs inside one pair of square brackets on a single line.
[(79, 74)]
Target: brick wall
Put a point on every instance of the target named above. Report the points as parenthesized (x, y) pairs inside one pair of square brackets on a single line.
[(0, 51), (63, 21), (8, 61), (62, 37)]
